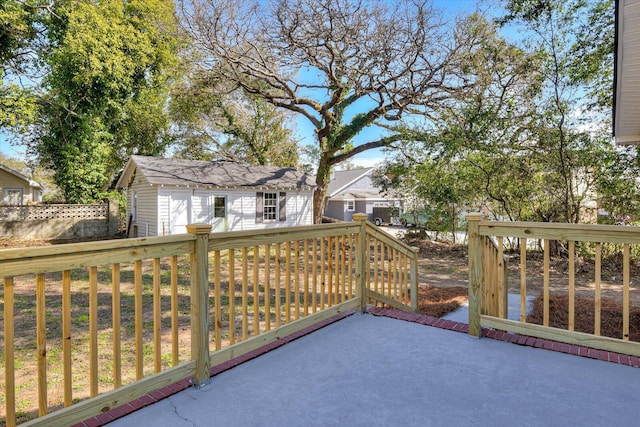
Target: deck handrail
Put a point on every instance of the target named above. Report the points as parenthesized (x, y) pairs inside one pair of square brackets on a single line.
[(547, 232), (561, 231), (272, 281)]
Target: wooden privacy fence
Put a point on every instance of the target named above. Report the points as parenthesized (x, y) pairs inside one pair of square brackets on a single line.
[(488, 277), (99, 324)]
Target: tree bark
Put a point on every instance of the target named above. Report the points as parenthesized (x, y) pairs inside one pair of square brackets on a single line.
[(322, 180)]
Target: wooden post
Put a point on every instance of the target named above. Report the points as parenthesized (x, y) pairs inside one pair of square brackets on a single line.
[(413, 277), (475, 273), (41, 345), (9, 358), (361, 261), (199, 298)]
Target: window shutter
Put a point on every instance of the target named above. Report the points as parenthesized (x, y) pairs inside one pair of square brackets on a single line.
[(259, 207), (283, 208)]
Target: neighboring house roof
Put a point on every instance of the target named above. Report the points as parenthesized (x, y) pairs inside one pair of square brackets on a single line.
[(359, 195), (343, 179), (196, 173), (339, 186), (626, 95), (17, 174)]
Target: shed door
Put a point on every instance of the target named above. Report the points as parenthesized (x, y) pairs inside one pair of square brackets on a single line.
[(179, 212), (219, 213)]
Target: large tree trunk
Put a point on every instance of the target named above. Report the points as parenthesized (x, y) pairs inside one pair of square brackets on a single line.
[(318, 205), (322, 180)]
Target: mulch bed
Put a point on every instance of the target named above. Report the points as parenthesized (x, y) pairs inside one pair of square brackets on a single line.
[(436, 302), (610, 316)]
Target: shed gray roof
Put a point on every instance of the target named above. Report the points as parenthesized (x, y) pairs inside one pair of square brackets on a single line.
[(179, 172)]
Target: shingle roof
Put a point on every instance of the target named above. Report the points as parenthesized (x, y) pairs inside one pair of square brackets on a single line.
[(360, 195), (343, 178), (179, 172)]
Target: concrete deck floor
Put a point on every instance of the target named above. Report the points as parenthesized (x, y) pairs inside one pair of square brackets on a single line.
[(376, 371)]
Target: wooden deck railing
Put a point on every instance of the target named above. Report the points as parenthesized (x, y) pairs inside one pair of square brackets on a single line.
[(567, 234), (103, 323)]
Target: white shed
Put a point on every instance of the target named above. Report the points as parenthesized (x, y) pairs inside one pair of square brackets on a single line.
[(164, 195)]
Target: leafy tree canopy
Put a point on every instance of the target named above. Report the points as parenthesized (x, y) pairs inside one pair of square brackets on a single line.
[(97, 73), (517, 141)]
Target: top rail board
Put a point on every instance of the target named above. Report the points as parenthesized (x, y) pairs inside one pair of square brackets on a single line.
[(560, 231)]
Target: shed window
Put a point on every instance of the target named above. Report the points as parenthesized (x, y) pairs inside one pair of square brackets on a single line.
[(219, 207), (271, 207)]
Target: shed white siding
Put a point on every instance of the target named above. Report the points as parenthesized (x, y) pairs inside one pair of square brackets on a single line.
[(202, 211), (146, 220), (240, 209), (167, 215), (300, 208)]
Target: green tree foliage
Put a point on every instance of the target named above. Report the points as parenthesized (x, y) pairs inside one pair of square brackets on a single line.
[(518, 144), (587, 27), (592, 55), (106, 90), (212, 122), (18, 38), (99, 73), (572, 132), (435, 185)]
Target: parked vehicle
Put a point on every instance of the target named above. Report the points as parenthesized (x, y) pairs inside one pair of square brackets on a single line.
[(381, 215), (386, 215), (415, 219)]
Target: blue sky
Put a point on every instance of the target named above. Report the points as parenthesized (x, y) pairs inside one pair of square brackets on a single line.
[(304, 131)]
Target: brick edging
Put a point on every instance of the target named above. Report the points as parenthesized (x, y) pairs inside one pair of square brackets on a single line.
[(157, 395), (524, 340)]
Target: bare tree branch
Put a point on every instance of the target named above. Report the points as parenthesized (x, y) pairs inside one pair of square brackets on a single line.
[(343, 65)]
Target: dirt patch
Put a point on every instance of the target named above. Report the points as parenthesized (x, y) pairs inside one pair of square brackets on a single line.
[(441, 264), (610, 316), (437, 302)]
